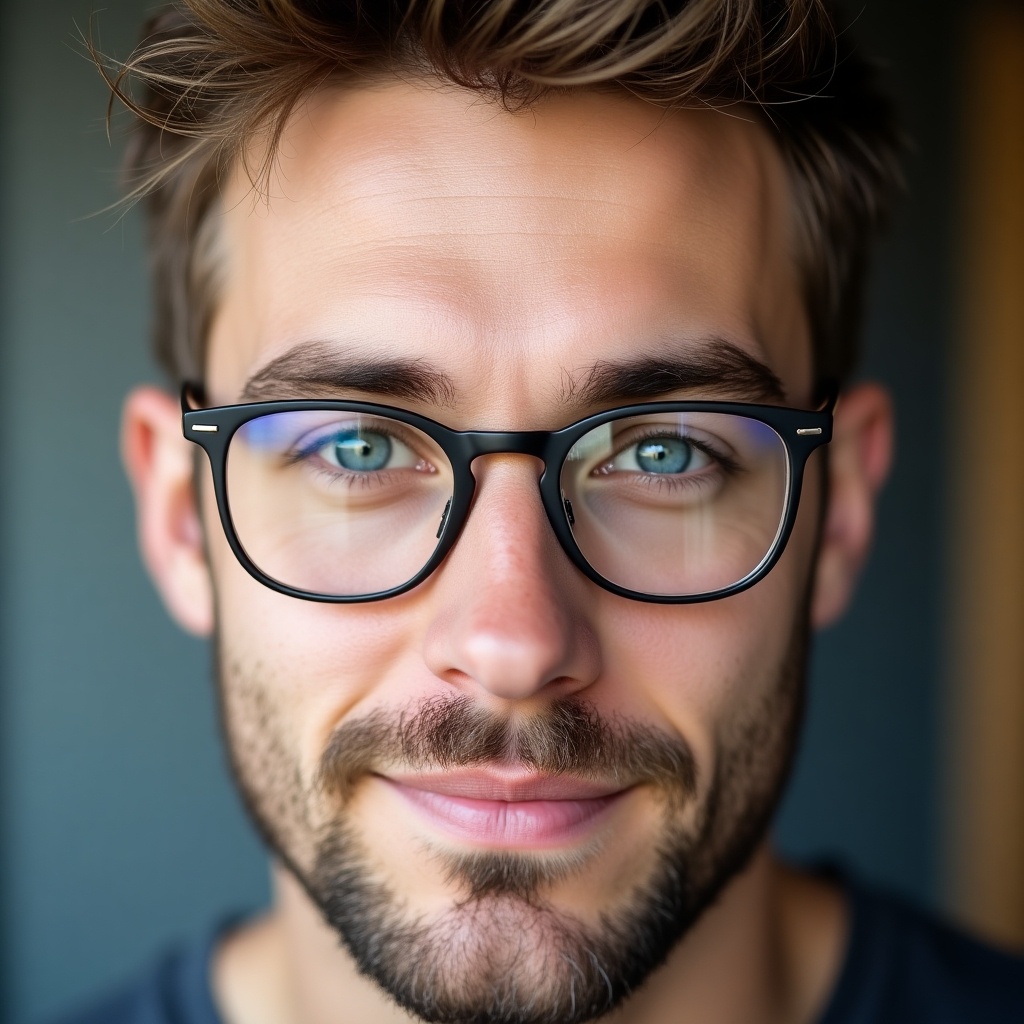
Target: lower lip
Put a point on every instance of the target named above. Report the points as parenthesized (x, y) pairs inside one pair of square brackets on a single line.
[(523, 824)]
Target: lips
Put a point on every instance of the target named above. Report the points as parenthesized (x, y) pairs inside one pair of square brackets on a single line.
[(508, 808)]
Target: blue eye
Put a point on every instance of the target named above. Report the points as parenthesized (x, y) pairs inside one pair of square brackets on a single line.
[(354, 447), (664, 455), (359, 451)]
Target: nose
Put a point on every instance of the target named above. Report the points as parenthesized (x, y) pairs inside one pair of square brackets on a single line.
[(508, 613)]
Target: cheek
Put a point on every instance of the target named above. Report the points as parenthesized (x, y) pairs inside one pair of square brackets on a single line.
[(703, 670), (314, 664)]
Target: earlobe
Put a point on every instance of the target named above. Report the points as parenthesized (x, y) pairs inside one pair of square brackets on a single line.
[(159, 463), (859, 459)]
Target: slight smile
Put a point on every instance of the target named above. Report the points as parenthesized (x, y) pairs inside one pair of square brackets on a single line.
[(510, 808)]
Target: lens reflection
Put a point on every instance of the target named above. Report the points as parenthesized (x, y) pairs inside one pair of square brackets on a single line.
[(677, 504), (336, 503)]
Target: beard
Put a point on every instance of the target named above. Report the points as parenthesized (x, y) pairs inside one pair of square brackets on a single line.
[(503, 952)]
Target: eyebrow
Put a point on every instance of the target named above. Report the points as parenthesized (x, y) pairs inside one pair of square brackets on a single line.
[(717, 369), (314, 369)]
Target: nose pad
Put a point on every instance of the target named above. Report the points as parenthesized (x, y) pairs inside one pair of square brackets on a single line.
[(508, 615)]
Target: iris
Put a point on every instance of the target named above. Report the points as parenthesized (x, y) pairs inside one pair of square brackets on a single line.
[(362, 452), (664, 455)]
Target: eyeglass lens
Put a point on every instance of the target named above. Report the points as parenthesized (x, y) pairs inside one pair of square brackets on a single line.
[(336, 503), (677, 504), (349, 504)]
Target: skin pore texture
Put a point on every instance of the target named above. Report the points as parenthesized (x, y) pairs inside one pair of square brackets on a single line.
[(513, 253)]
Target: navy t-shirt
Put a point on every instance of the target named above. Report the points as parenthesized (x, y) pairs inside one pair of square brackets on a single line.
[(901, 967)]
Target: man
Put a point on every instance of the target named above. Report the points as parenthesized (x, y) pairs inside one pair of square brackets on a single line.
[(512, 334)]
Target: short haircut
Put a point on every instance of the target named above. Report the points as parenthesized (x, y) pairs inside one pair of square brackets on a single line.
[(211, 78)]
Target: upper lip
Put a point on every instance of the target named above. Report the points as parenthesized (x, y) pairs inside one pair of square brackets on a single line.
[(512, 784)]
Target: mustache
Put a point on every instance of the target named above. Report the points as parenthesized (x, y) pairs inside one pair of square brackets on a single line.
[(454, 731)]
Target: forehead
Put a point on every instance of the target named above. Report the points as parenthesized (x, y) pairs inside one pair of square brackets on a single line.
[(510, 250)]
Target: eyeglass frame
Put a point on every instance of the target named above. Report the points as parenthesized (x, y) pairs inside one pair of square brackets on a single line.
[(801, 432)]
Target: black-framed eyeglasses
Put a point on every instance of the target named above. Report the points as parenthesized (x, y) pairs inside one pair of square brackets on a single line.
[(670, 502)]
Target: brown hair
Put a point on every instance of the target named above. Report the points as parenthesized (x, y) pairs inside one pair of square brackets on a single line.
[(211, 76)]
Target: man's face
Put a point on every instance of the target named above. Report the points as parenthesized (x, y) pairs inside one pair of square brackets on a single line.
[(509, 789)]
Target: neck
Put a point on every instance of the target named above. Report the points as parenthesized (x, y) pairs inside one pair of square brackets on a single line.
[(767, 952)]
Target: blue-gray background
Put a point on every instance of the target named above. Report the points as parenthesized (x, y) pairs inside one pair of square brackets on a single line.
[(119, 827)]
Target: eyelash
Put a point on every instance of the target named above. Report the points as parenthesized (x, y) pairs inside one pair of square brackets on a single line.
[(302, 454), (728, 464)]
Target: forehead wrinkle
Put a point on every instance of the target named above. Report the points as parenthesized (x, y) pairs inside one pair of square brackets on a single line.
[(452, 257), (446, 223), (370, 173), (428, 125)]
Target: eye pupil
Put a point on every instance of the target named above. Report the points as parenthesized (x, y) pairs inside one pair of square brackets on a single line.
[(367, 451), (663, 455)]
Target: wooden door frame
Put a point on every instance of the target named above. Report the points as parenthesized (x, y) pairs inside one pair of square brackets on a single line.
[(984, 774)]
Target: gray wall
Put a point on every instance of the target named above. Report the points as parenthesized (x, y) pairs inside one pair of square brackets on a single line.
[(119, 828), (119, 825)]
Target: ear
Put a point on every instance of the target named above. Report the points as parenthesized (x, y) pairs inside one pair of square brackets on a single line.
[(159, 463), (859, 459)]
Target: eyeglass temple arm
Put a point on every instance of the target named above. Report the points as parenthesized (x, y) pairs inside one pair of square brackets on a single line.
[(828, 390), (192, 397)]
